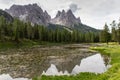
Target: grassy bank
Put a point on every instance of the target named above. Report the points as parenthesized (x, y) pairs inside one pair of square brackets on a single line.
[(111, 50), (13, 44), (82, 76), (25, 43)]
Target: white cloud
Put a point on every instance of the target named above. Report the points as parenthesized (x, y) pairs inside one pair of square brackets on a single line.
[(74, 7), (93, 12)]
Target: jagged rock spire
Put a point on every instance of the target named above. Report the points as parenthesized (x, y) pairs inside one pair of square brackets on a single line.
[(66, 18), (30, 13)]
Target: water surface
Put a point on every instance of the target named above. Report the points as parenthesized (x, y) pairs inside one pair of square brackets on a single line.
[(31, 62), (92, 64)]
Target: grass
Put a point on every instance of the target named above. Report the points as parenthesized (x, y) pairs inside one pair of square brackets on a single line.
[(5, 45), (82, 76), (112, 50)]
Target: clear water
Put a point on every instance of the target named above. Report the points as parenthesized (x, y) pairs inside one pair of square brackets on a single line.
[(8, 77), (93, 64)]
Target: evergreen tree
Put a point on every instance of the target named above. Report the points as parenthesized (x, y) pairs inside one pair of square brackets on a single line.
[(106, 34), (29, 31), (118, 33), (18, 30), (2, 28), (114, 32)]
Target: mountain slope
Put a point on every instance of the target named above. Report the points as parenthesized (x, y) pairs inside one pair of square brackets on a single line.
[(80, 27), (30, 13), (66, 19), (7, 16), (70, 22), (34, 14)]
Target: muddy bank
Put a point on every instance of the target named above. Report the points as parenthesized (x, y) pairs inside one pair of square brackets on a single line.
[(30, 62)]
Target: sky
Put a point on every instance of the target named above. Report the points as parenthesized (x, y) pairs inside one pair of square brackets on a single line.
[(94, 13)]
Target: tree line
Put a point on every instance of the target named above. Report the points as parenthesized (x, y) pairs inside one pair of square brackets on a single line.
[(18, 30), (112, 35)]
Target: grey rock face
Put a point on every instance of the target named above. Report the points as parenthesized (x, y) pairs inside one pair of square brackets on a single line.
[(47, 17), (66, 18), (30, 13), (7, 16), (34, 14)]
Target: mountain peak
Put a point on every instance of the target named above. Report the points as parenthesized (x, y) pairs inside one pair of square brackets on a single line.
[(46, 13), (47, 16), (35, 4), (34, 14), (69, 11), (6, 15), (66, 18), (63, 11), (30, 13), (79, 19), (58, 14)]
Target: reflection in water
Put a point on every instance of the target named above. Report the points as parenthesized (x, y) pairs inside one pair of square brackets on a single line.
[(31, 62), (93, 64), (8, 77), (52, 70)]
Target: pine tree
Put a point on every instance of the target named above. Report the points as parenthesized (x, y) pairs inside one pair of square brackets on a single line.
[(29, 31), (106, 34), (2, 27), (101, 36), (118, 32), (36, 31), (114, 32), (16, 30)]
